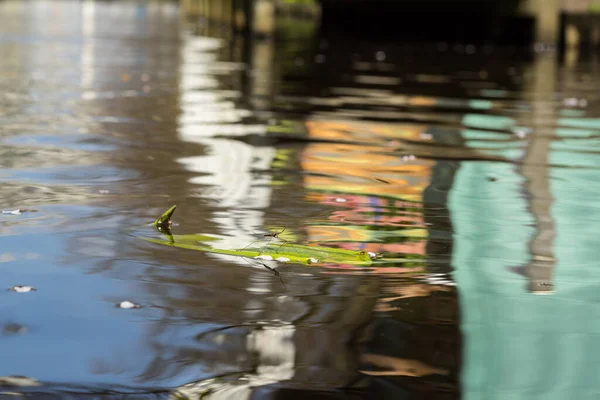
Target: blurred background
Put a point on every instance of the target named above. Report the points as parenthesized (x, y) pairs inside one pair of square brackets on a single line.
[(457, 138)]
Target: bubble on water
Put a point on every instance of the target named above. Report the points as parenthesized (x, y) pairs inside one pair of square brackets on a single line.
[(128, 304), (521, 131), (570, 101), (22, 289)]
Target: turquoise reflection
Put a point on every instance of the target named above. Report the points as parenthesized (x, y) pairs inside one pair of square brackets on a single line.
[(519, 345)]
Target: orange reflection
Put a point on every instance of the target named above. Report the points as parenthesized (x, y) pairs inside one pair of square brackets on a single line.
[(351, 131), (372, 185)]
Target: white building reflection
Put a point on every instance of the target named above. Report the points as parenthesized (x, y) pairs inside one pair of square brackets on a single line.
[(274, 352), (229, 170), (229, 176)]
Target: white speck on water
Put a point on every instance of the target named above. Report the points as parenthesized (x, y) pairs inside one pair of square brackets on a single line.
[(21, 289), (340, 200), (521, 132), (19, 381), (426, 136), (219, 339), (282, 259), (570, 102), (372, 255), (264, 257), (257, 290), (128, 304), (12, 212)]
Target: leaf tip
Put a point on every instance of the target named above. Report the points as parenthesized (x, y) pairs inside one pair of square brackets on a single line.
[(164, 221)]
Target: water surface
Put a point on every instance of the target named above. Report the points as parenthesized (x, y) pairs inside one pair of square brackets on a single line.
[(473, 167)]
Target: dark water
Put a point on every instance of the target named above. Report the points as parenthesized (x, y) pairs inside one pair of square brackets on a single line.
[(474, 168)]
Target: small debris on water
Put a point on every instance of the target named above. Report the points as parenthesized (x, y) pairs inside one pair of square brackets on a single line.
[(264, 257), (18, 211), (340, 200), (312, 260), (14, 329), (282, 259), (12, 212), (22, 289), (104, 191), (408, 157), (18, 381), (492, 179), (128, 304), (372, 255), (426, 136)]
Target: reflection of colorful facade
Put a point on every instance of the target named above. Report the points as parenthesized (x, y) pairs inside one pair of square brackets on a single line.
[(373, 185)]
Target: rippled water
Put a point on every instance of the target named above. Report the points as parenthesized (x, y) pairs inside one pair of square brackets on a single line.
[(472, 169)]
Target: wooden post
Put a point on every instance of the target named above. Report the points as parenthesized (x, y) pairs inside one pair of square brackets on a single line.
[(263, 23), (547, 18), (537, 172)]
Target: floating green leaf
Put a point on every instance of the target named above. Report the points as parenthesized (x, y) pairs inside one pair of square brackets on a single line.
[(278, 251)]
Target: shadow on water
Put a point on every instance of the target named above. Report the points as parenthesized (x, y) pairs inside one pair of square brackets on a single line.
[(471, 168)]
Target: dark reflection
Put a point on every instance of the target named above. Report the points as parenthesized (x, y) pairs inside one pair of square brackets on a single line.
[(455, 163)]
